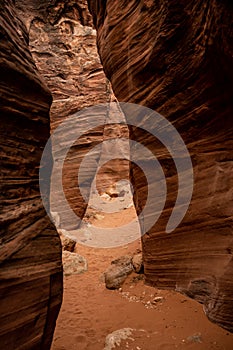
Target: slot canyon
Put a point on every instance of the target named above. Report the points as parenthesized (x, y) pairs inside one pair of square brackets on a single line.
[(58, 59)]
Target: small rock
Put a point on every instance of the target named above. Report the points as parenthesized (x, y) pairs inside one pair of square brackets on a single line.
[(137, 263), (157, 299), (118, 272), (67, 242), (195, 338), (73, 263), (114, 339)]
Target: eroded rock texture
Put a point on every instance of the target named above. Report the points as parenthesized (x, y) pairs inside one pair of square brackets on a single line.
[(62, 42), (63, 45), (30, 251), (176, 58)]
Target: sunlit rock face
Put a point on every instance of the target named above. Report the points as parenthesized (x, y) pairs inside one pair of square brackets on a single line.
[(176, 58), (30, 251), (63, 45)]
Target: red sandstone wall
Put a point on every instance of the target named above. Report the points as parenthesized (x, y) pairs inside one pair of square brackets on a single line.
[(176, 58)]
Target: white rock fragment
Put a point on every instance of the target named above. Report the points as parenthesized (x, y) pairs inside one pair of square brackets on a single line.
[(114, 339)]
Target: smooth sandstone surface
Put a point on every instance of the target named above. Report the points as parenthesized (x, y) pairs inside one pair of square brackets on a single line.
[(174, 59), (177, 59), (63, 44), (30, 251)]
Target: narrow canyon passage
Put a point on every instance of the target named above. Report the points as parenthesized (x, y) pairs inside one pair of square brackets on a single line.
[(139, 95)]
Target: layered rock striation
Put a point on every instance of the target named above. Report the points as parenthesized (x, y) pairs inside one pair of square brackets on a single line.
[(177, 59), (30, 251), (63, 45)]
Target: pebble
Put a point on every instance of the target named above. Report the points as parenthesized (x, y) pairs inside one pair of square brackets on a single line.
[(157, 299)]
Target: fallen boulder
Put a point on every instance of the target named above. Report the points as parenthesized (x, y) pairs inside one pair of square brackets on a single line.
[(118, 271)]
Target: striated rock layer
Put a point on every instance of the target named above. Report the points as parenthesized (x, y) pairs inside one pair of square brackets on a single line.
[(63, 45), (30, 251), (177, 60)]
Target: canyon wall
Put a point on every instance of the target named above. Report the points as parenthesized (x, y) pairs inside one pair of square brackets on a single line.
[(176, 58), (30, 251), (63, 45)]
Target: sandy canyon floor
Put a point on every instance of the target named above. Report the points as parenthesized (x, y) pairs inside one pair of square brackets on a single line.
[(148, 318)]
